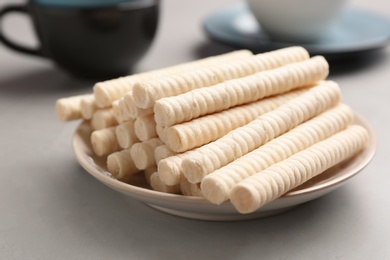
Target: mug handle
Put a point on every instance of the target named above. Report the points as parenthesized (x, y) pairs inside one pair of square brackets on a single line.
[(17, 9)]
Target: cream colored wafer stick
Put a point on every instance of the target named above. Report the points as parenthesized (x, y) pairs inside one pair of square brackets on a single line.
[(170, 170), (132, 110), (162, 152), (190, 189), (107, 91), (182, 108), (68, 108), (126, 108), (117, 112), (120, 164), (125, 134), (158, 185), (143, 153), (123, 110), (145, 127), (161, 132), (185, 188), (217, 185), (88, 106), (195, 189), (103, 118), (200, 131), (148, 173), (146, 93), (265, 186), (104, 141), (268, 126)]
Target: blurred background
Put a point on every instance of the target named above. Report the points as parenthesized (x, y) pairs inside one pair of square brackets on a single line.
[(180, 36)]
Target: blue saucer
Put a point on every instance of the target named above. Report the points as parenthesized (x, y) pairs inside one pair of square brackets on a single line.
[(356, 31)]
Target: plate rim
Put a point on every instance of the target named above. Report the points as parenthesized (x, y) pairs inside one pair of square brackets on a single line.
[(143, 194)]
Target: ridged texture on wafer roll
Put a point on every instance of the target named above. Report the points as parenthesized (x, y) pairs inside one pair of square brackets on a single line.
[(145, 127), (122, 110), (146, 93), (158, 185), (200, 131), (143, 153), (217, 185), (193, 104), (245, 139), (120, 164), (162, 152), (132, 110), (265, 186), (161, 132), (68, 108), (170, 170), (104, 141), (117, 112), (125, 134), (88, 106), (107, 91), (103, 118)]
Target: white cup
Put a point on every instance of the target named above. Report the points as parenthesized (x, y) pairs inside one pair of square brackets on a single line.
[(295, 20)]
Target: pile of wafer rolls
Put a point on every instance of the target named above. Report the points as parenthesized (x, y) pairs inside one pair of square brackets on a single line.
[(237, 126)]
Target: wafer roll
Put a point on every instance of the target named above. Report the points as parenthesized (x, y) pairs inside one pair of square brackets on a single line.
[(132, 110), (161, 132), (68, 108), (190, 189), (196, 189), (170, 170), (117, 112), (245, 139), (200, 131), (104, 141), (148, 173), (146, 93), (185, 188), (123, 110), (125, 134), (162, 152), (88, 106), (158, 185), (103, 118), (107, 91), (120, 164), (145, 127), (193, 104), (217, 185), (271, 183), (143, 153)]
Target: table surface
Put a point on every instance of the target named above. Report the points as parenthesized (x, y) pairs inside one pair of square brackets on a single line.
[(50, 208)]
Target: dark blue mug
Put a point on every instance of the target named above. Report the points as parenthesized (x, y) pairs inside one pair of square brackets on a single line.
[(89, 38)]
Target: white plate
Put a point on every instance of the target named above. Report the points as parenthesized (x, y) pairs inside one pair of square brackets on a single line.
[(200, 208), (355, 32)]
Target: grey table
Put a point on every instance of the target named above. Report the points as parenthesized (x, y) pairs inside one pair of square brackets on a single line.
[(50, 208)]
